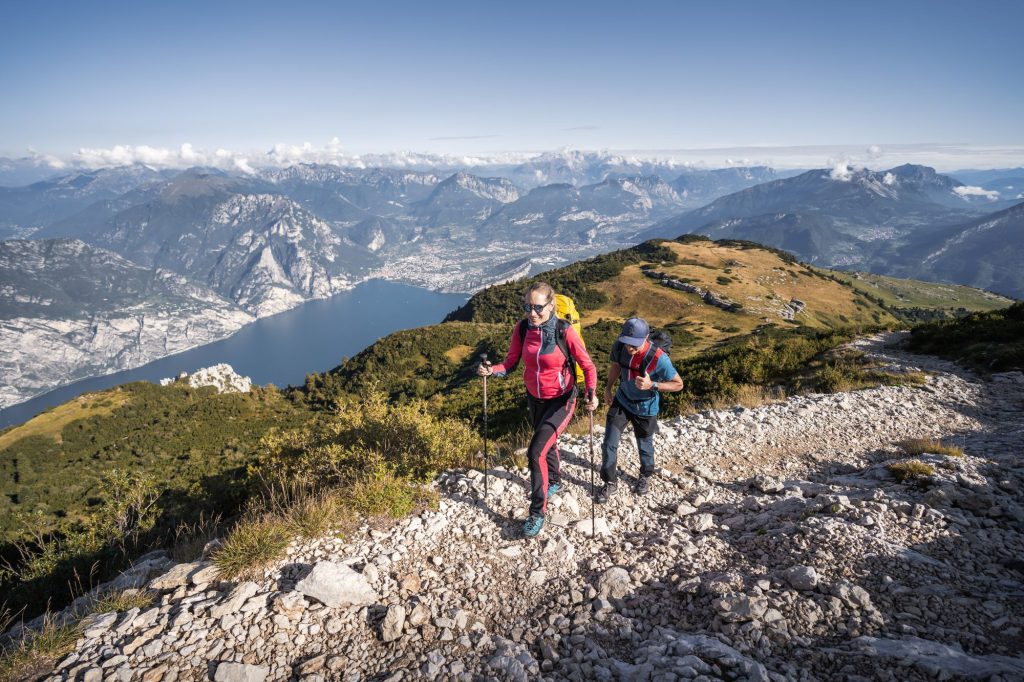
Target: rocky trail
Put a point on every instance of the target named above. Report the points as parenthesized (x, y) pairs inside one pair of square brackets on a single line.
[(775, 544)]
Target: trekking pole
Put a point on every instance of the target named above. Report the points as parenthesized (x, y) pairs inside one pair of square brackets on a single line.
[(487, 460), (593, 522)]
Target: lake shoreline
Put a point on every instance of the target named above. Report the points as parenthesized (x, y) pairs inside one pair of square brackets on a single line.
[(384, 307)]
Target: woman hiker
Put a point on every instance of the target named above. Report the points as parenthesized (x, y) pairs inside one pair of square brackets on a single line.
[(550, 390)]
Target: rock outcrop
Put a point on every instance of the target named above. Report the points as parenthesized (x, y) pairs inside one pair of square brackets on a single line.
[(222, 377)]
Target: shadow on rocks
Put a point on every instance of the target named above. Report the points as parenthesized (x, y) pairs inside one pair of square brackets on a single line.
[(291, 574), (851, 573)]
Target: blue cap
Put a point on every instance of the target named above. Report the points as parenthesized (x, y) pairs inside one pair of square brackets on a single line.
[(634, 332)]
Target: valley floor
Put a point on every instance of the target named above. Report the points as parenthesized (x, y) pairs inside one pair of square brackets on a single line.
[(776, 544)]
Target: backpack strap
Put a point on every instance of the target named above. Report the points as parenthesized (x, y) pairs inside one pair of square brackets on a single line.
[(654, 353), (650, 360), (561, 328)]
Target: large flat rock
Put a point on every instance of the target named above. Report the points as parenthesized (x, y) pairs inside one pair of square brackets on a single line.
[(337, 585)]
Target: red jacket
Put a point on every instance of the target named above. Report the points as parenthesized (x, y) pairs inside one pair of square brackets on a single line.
[(546, 374)]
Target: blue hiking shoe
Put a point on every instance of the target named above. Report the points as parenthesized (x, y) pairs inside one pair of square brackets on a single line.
[(554, 489), (532, 526)]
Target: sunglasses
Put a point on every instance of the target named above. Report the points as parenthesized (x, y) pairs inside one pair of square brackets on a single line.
[(535, 307)]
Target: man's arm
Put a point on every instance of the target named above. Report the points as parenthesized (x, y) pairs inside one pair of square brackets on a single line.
[(676, 384), (664, 369), (613, 375), (672, 385)]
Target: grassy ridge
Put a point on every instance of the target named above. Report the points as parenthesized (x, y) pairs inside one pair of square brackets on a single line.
[(916, 301), (188, 439), (91, 483)]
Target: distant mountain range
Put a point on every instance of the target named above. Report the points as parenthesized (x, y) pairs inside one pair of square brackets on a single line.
[(258, 244), (1008, 182), (878, 221)]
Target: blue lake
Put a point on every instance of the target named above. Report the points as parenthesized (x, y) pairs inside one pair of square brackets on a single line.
[(284, 348)]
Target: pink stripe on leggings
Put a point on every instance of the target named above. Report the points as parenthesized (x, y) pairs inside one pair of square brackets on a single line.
[(570, 407)]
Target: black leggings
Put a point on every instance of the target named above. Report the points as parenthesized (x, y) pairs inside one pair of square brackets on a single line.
[(548, 419)]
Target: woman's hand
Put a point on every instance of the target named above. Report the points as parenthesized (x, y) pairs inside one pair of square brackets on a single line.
[(484, 369), (591, 403)]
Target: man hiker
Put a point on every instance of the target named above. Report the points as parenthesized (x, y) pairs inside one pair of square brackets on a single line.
[(648, 372), (548, 347)]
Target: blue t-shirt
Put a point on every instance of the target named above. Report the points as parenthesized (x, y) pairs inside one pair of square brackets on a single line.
[(642, 403)]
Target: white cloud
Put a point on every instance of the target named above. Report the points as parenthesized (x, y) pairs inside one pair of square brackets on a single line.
[(124, 155), (185, 156), (242, 164), (843, 160), (970, 191), (290, 154), (45, 160), (841, 170), (889, 180)]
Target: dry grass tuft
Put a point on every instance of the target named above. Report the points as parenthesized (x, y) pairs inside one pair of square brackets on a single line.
[(911, 470), (318, 513), (752, 396), (124, 600), (191, 538), (921, 446), (255, 542), (34, 655)]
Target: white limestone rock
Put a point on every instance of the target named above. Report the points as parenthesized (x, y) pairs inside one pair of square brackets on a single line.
[(337, 585)]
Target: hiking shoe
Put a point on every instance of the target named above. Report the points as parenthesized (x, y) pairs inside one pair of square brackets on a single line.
[(606, 492), (532, 526), (554, 489), (643, 485)]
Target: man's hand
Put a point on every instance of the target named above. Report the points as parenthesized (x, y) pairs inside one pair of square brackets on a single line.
[(484, 369), (643, 383), (607, 395)]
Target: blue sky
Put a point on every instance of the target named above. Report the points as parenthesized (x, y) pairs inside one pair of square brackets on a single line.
[(475, 77)]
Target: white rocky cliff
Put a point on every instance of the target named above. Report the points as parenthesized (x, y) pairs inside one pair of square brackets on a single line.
[(70, 311), (776, 544)]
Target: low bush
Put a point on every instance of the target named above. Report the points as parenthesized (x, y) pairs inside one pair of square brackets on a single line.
[(390, 497), (911, 470), (367, 435), (988, 342)]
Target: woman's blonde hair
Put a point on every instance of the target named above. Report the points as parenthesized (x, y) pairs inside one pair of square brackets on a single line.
[(540, 287)]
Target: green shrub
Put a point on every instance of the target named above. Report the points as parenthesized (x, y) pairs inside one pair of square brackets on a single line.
[(367, 435), (988, 341), (390, 497)]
